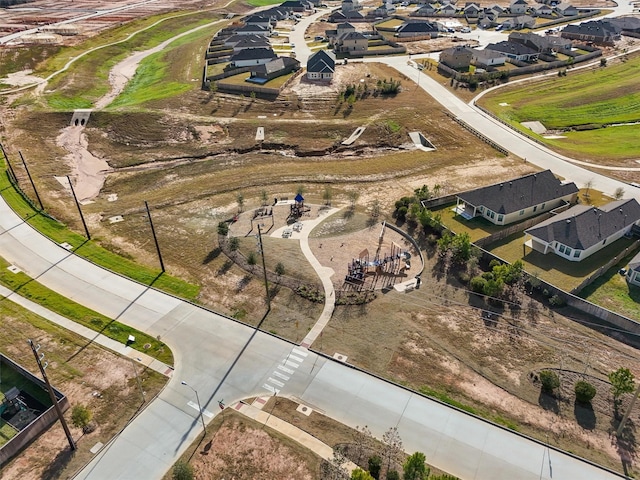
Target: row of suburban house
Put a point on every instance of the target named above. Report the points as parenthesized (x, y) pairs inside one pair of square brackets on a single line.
[(603, 32), (572, 232), (516, 7), (523, 47)]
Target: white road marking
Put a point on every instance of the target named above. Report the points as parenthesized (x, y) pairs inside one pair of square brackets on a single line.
[(285, 369), (300, 352), (277, 383), (292, 364), (297, 359), (194, 405), (281, 375), (266, 386)]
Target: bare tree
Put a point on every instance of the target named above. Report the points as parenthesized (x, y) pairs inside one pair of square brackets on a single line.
[(362, 441), (240, 200), (375, 208), (336, 467), (264, 198), (353, 198), (619, 193), (327, 195), (392, 445)]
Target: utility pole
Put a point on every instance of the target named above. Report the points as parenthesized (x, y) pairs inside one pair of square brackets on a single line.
[(264, 268), (73, 192), (31, 180), (11, 171), (155, 239), (52, 394)]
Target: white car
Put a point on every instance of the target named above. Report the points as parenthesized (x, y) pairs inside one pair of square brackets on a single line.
[(466, 30)]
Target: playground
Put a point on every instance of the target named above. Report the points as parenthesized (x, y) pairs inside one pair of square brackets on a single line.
[(375, 257)]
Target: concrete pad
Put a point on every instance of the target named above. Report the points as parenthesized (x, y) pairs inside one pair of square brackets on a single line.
[(13, 269), (340, 357), (554, 137), (96, 448), (536, 127), (421, 142), (304, 410), (116, 219), (354, 136), (80, 117), (260, 134)]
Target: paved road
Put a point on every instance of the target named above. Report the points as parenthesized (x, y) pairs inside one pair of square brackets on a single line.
[(98, 13), (224, 360)]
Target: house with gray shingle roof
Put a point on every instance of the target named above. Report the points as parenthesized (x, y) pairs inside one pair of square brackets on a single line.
[(514, 200), (633, 270), (581, 231), (321, 66)]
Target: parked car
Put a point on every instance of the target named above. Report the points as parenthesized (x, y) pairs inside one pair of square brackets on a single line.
[(466, 30)]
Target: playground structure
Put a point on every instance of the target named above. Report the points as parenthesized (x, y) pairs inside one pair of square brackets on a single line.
[(365, 273), (259, 215), (298, 209)]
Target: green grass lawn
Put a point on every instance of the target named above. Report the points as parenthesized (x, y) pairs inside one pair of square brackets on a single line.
[(612, 291), (552, 268), (604, 144), (7, 432), (604, 95), (477, 227), (262, 3)]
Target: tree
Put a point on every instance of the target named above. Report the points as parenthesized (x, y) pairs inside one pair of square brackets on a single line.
[(393, 475), (359, 474), (251, 259), (81, 416), (353, 198), (588, 186), (622, 381), (234, 245), (375, 465), (223, 228), (550, 380), (264, 198), (584, 391), (392, 444), (240, 200), (619, 193), (362, 439), (182, 471), (279, 269), (414, 468), (337, 470), (375, 208), (327, 195)]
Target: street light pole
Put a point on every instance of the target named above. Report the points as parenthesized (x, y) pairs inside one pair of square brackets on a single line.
[(199, 406)]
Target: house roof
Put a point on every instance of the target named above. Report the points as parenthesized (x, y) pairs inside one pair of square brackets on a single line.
[(564, 6), (257, 29), (280, 63), (417, 27), (292, 4), (511, 48), (253, 54), (538, 42), (260, 42), (487, 54), (345, 25), (624, 23), (519, 193), (323, 61), (634, 264), (584, 226), (352, 36), (519, 2), (596, 28), (235, 39), (257, 19)]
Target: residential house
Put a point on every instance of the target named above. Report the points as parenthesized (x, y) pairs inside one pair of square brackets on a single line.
[(581, 231), (514, 200), (351, 42), (278, 67), (350, 5), (518, 7), (349, 16), (295, 6), (566, 9), (321, 66), (625, 24), (417, 29), (425, 11), (448, 9), (487, 58), (494, 9), (341, 29), (250, 42), (633, 270), (262, 21), (548, 45), (252, 56), (541, 10), (233, 40), (518, 23), (472, 9), (253, 30), (515, 51), (488, 21), (458, 58), (276, 13), (597, 31)]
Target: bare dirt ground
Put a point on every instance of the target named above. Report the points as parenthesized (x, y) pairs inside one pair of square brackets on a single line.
[(238, 448), (87, 374)]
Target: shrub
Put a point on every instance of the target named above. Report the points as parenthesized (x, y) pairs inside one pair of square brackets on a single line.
[(223, 228), (550, 380), (393, 475), (375, 464), (81, 416), (584, 391), (402, 213), (556, 301), (182, 471), (478, 284), (494, 263)]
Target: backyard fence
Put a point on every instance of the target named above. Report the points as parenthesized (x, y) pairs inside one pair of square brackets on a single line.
[(510, 230)]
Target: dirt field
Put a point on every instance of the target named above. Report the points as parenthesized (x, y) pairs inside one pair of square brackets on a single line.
[(238, 448), (87, 374)]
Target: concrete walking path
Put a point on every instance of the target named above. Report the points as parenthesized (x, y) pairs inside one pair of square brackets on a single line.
[(325, 273)]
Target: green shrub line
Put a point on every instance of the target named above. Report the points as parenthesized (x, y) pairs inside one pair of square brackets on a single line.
[(28, 288)]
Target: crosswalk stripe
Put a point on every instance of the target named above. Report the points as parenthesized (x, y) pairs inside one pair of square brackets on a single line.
[(281, 375), (266, 386), (194, 405), (292, 364), (297, 359), (276, 382), (285, 369), (300, 352)]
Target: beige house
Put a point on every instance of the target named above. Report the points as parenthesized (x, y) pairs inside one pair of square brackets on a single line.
[(514, 200)]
